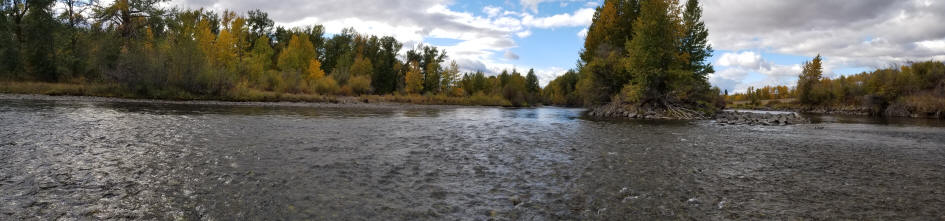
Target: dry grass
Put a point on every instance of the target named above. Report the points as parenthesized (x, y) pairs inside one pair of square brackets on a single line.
[(924, 103), (243, 94)]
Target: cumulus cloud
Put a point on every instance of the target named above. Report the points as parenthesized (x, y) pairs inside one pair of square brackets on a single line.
[(864, 33), (745, 60), (509, 55), (582, 33), (532, 5), (483, 40), (735, 68), (579, 18), (491, 11), (524, 34)]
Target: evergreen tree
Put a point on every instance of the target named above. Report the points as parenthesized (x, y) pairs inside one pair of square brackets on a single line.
[(695, 41), (531, 82)]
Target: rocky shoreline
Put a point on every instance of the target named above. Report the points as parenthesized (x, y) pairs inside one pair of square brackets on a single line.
[(723, 117), (765, 119)]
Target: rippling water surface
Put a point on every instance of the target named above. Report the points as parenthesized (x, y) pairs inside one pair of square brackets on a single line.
[(81, 159)]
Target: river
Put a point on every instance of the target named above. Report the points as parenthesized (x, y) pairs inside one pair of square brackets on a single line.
[(80, 158)]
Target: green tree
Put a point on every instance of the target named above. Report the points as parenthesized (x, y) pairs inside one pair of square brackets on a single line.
[(260, 59), (361, 67), (9, 46), (652, 52), (531, 82), (39, 42), (385, 71), (695, 43), (259, 25), (808, 80), (450, 76), (296, 56)]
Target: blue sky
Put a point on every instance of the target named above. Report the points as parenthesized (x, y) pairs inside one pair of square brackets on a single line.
[(757, 42)]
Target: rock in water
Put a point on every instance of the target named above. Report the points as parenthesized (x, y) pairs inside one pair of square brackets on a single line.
[(766, 119)]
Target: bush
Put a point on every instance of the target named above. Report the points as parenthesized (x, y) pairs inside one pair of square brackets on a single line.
[(360, 85), (326, 86), (457, 92)]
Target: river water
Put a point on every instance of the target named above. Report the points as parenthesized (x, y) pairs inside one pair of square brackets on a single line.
[(78, 159)]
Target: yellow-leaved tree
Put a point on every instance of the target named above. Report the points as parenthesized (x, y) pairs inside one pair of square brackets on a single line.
[(414, 78)]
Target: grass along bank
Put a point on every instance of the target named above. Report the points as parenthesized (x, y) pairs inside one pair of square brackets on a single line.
[(241, 95)]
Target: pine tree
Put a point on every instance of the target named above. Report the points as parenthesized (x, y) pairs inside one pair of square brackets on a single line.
[(531, 82), (695, 41)]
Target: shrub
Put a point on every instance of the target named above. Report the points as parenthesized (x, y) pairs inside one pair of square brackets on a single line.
[(360, 84)]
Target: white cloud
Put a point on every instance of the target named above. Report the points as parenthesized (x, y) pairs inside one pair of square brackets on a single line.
[(735, 68), (745, 60), (582, 33), (532, 4), (509, 55), (933, 45), (492, 11), (866, 33), (581, 17), (484, 40), (524, 34), (546, 75)]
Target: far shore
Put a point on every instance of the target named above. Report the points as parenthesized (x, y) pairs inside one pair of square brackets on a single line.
[(341, 102)]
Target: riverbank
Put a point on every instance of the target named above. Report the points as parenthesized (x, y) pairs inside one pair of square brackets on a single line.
[(909, 108), (236, 97), (349, 102)]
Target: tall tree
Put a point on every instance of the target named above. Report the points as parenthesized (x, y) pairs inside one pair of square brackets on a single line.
[(695, 43), (531, 81), (611, 28), (808, 80), (259, 25), (131, 16), (40, 43), (9, 45), (73, 57), (450, 76), (653, 56), (414, 78), (385, 73)]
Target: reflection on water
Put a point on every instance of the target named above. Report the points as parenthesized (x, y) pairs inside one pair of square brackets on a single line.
[(109, 160), (886, 121)]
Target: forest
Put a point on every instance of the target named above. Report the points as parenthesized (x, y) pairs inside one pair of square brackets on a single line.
[(915, 89), (642, 56), (136, 48)]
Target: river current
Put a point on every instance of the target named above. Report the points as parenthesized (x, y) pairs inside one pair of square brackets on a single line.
[(79, 159)]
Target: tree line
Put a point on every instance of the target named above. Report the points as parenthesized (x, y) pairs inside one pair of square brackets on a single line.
[(642, 53), (160, 52), (917, 87)]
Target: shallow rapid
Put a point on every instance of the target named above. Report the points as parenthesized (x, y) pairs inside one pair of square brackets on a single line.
[(87, 159)]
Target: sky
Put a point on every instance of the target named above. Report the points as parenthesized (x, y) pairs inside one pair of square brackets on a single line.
[(757, 42)]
